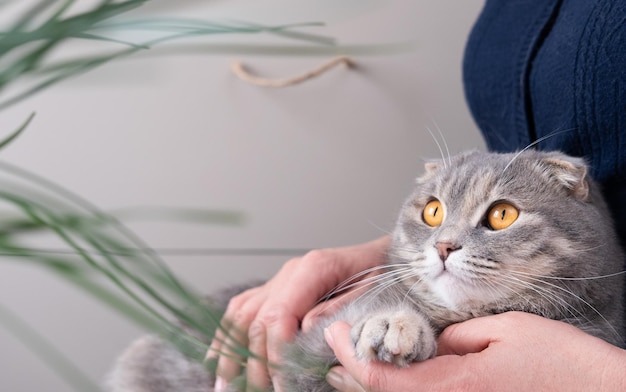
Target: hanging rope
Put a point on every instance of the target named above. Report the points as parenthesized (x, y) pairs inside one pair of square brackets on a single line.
[(239, 70)]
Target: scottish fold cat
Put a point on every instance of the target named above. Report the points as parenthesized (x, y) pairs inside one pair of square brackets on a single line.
[(482, 233)]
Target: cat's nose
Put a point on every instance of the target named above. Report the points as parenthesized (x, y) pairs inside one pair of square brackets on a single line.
[(445, 248)]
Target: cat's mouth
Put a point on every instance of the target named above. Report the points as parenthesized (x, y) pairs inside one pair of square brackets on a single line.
[(453, 282), (451, 268), (451, 275)]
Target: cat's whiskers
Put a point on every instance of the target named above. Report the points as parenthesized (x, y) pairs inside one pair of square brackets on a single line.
[(382, 230), (475, 269), (443, 139), (549, 295), (407, 254), (534, 144), (590, 249), (499, 288), (539, 276), (579, 298), (389, 281), (410, 288), (415, 250), (515, 286), (376, 280), (443, 157), (562, 289), (354, 280), (567, 307), (362, 285)]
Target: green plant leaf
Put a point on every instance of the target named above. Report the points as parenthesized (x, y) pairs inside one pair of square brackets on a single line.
[(6, 141), (98, 253), (38, 42)]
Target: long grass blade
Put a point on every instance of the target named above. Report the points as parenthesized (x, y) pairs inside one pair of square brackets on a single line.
[(6, 141), (166, 326), (91, 24), (207, 319), (31, 14)]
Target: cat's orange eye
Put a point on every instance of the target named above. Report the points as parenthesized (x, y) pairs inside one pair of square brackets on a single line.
[(433, 213), (501, 216)]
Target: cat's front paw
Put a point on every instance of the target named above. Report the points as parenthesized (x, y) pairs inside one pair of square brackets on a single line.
[(398, 336)]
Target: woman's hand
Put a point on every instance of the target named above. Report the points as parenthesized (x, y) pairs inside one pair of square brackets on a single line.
[(265, 317), (507, 352)]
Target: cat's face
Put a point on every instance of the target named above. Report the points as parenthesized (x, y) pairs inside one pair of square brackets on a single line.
[(482, 228)]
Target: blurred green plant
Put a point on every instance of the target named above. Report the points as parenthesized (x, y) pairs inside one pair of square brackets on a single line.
[(27, 45), (98, 252), (100, 255)]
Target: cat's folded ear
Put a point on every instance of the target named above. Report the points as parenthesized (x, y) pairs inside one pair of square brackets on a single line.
[(432, 166), (571, 172)]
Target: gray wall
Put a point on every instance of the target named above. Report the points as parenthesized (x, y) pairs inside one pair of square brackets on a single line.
[(322, 164)]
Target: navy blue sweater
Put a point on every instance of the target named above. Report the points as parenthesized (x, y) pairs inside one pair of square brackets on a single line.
[(538, 67)]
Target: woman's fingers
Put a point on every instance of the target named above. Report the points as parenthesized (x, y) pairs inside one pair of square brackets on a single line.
[(340, 379), (264, 318), (281, 327), (232, 336), (471, 336), (257, 377), (356, 375)]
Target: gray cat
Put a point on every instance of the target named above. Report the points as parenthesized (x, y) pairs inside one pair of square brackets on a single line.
[(482, 233)]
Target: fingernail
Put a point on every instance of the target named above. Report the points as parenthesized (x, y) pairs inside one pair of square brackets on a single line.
[(335, 379), (220, 385), (210, 354), (341, 380), (308, 323), (276, 384), (329, 337)]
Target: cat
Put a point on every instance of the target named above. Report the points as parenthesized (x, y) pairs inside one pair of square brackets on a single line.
[(482, 233)]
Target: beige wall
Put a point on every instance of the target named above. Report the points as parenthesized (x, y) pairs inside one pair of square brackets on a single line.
[(322, 164)]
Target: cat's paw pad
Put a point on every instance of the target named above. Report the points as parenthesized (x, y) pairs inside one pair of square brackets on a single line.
[(399, 337)]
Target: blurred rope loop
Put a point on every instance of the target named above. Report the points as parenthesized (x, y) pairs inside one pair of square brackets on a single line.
[(242, 73)]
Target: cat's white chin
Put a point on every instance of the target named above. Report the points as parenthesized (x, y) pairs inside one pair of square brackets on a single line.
[(449, 289), (449, 284)]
